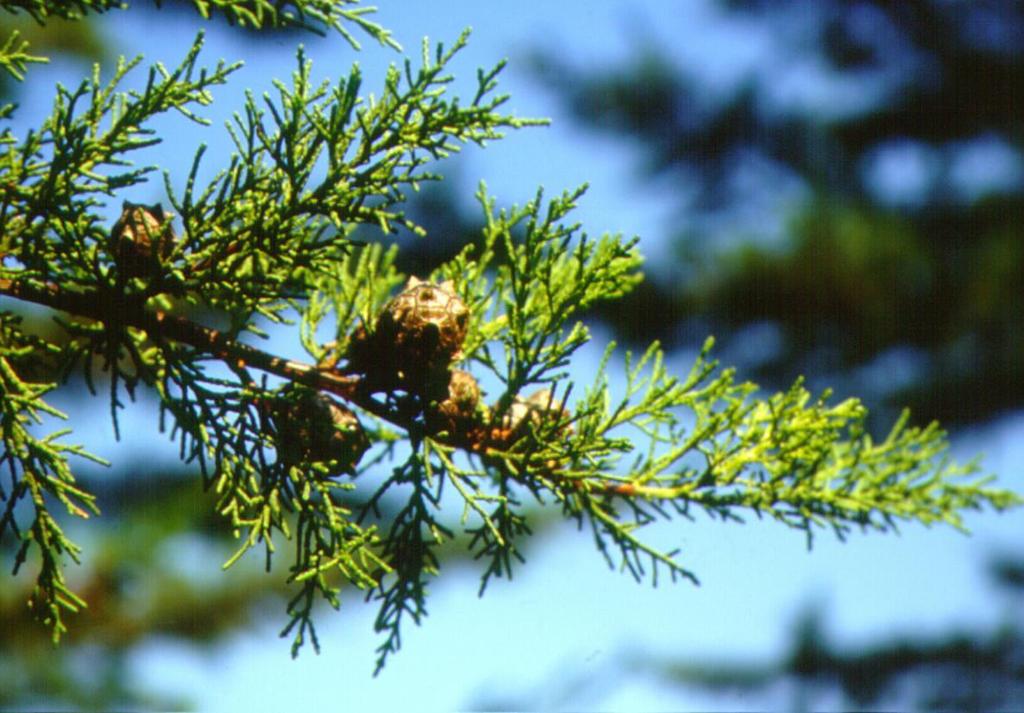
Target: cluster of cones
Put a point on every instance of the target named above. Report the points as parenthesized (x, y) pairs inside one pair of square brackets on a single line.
[(409, 350)]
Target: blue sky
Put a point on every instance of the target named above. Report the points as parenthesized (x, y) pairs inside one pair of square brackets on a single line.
[(565, 615)]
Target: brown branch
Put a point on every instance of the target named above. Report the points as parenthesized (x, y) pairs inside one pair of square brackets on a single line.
[(101, 305)]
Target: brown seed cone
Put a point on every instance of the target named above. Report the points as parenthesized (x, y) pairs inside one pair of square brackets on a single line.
[(458, 412), (141, 239), (317, 429), (418, 334), (361, 352)]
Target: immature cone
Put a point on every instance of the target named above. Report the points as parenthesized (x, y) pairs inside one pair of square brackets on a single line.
[(314, 428), (458, 411), (142, 238), (533, 409), (525, 413), (418, 334)]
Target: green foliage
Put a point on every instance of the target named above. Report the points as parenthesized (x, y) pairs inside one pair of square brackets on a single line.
[(313, 15), (270, 235), (14, 58), (315, 163), (39, 473), (59, 173), (42, 10), (713, 446), (317, 16)]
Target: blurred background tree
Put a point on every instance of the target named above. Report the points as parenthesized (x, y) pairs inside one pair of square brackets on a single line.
[(961, 670), (869, 229), (870, 236), (855, 205)]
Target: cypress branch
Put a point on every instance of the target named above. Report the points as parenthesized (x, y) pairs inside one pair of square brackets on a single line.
[(270, 236)]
